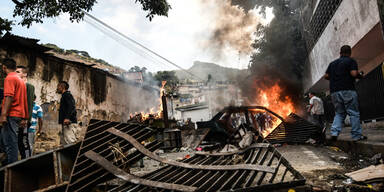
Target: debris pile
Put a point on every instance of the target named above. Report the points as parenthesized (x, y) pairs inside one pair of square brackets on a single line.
[(239, 158), (110, 149), (245, 125)]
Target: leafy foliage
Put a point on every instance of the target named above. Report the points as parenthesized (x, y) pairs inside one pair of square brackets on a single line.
[(155, 7), (81, 53), (36, 10), (137, 69), (170, 77), (32, 11), (55, 48), (5, 25)]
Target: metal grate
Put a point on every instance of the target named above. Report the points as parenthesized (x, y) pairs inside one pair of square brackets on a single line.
[(320, 19), (86, 173), (260, 166), (294, 129), (371, 94)]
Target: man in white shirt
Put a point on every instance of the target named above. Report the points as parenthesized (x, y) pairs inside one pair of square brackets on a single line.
[(316, 109)]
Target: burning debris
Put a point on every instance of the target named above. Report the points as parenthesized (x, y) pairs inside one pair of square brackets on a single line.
[(231, 125), (110, 149), (257, 167), (152, 114), (274, 99)]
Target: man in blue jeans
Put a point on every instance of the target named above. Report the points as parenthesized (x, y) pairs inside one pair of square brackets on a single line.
[(14, 113), (342, 74)]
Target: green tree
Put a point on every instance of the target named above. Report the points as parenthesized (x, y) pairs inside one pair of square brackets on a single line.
[(170, 77), (209, 79), (32, 11), (138, 69), (279, 50), (5, 25)]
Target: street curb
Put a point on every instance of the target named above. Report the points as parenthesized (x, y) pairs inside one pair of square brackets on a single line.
[(366, 148)]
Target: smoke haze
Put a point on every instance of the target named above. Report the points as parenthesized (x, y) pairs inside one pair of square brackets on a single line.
[(233, 27)]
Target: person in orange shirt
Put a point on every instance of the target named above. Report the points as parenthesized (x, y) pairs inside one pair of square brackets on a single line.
[(14, 112)]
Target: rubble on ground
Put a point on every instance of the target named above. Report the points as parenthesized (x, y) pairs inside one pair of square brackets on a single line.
[(144, 155)]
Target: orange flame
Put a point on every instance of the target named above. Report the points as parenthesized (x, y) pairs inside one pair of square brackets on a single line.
[(162, 90), (273, 99), (142, 116)]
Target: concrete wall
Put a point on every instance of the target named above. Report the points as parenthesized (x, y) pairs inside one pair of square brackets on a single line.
[(121, 98), (351, 22)]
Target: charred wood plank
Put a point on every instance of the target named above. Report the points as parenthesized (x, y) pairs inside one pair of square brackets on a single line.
[(284, 174), (211, 176), (156, 175), (228, 175), (255, 145), (269, 164), (132, 178), (98, 175), (153, 156), (277, 171)]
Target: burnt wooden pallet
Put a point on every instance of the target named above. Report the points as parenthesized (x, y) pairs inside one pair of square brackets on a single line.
[(294, 129), (259, 167), (86, 174)]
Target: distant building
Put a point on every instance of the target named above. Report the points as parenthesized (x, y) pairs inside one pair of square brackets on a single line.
[(98, 93), (197, 112), (216, 95)]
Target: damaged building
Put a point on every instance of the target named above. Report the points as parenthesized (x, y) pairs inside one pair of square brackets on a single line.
[(329, 24), (98, 93)]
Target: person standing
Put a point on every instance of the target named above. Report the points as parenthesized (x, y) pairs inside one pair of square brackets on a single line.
[(24, 147), (14, 112), (316, 109), (67, 114), (342, 74), (36, 124)]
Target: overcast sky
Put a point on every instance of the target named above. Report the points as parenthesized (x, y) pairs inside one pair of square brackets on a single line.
[(178, 37)]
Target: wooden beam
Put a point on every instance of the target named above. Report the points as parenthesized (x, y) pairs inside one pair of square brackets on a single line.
[(155, 157), (107, 165), (256, 145)]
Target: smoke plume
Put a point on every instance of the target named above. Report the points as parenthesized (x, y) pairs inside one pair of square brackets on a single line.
[(233, 28)]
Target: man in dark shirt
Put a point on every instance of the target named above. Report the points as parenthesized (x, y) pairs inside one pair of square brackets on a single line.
[(342, 74), (67, 114)]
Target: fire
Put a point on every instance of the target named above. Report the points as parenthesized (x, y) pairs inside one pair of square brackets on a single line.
[(162, 90), (273, 99), (142, 116)]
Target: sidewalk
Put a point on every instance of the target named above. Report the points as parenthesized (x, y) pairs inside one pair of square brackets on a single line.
[(370, 147)]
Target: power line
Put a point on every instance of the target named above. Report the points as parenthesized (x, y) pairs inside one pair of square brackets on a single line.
[(138, 44), (115, 37)]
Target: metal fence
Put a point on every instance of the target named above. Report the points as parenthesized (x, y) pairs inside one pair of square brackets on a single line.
[(371, 95), (320, 19)]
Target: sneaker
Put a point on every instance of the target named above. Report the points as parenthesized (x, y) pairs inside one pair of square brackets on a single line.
[(362, 138), (334, 138)]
